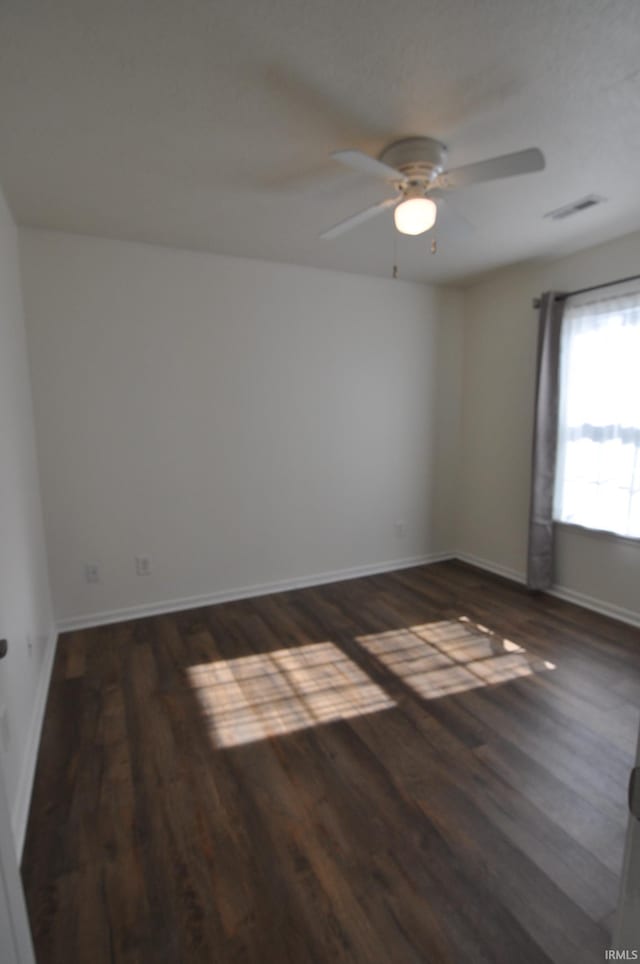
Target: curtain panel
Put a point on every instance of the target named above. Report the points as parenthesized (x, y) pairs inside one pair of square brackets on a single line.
[(545, 439)]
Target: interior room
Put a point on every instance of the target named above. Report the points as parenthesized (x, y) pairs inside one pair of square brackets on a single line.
[(320, 482)]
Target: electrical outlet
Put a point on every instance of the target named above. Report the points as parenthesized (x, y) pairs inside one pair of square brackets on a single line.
[(143, 565), (91, 572), (400, 528)]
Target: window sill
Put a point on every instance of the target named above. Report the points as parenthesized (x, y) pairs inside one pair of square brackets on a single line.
[(602, 534)]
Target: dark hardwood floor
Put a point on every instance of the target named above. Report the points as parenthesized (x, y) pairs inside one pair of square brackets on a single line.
[(425, 766)]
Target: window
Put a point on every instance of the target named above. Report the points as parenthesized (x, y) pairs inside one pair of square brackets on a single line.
[(598, 456)]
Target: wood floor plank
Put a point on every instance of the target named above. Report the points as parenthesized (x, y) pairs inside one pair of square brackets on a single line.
[(422, 766)]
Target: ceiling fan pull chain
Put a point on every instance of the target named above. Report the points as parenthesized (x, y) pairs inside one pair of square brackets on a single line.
[(394, 274), (434, 245)]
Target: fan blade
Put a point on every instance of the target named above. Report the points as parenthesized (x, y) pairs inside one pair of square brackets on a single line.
[(358, 161), (451, 212), (507, 165), (358, 218)]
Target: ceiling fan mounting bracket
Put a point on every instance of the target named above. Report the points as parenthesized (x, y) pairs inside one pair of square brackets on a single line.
[(416, 186), (419, 159)]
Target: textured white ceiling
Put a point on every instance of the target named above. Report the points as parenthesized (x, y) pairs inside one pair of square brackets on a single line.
[(208, 124)]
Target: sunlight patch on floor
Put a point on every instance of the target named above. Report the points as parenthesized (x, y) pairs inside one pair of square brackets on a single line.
[(255, 697), (451, 656)]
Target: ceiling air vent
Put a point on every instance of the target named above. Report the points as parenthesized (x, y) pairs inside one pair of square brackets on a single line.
[(569, 209)]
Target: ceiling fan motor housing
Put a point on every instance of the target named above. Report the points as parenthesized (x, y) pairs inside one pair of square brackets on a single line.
[(420, 159)]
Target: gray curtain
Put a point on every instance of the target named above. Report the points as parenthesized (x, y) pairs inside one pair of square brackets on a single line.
[(545, 438)]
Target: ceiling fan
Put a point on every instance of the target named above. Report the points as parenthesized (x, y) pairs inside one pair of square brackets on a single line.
[(416, 168)]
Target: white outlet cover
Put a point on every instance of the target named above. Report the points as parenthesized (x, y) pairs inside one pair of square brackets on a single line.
[(91, 572), (143, 565)]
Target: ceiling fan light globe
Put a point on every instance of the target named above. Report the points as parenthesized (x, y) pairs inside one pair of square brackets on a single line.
[(415, 215)]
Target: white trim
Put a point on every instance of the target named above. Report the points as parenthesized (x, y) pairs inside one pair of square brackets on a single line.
[(88, 620), (602, 534), (22, 801), (560, 592), (597, 605), (493, 567)]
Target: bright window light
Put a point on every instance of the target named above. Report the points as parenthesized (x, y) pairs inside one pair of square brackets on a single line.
[(256, 697), (451, 656), (598, 456)]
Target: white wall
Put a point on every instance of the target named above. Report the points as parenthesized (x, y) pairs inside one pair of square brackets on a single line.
[(25, 609), (499, 385), (241, 422), (248, 424)]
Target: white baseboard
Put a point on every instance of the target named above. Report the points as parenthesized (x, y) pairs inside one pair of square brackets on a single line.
[(90, 620), (493, 567), (22, 801), (597, 605), (560, 592)]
